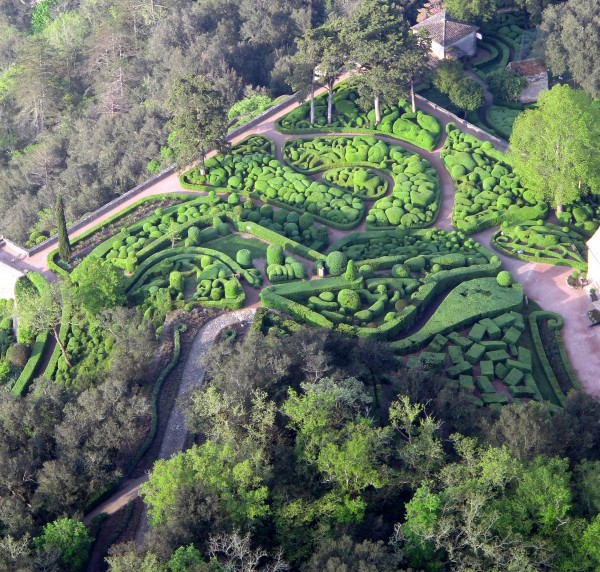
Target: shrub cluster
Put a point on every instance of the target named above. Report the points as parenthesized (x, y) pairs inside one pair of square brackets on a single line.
[(397, 121), (415, 197), (583, 214), (486, 362), (488, 192), (360, 181), (538, 241), (260, 174), (300, 228)]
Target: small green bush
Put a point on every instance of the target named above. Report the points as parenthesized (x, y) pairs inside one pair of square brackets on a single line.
[(244, 257), (504, 278), (274, 254)]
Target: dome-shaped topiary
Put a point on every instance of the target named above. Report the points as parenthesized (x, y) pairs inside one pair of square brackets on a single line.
[(349, 299), (244, 257), (504, 278), (336, 262), (274, 254)]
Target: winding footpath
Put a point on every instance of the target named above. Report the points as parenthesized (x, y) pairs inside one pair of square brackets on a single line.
[(191, 380)]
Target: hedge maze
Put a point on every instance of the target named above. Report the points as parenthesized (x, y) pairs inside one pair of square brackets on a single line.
[(397, 121), (439, 298)]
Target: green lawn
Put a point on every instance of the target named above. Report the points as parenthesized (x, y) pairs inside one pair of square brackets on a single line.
[(232, 243)]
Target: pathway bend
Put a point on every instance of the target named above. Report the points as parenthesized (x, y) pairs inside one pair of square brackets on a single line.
[(175, 433)]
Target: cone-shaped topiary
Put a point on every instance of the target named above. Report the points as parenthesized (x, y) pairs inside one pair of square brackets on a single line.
[(350, 271)]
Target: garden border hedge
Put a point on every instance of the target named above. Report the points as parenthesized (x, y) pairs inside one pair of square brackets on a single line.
[(37, 352), (545, 362), (528, 258)]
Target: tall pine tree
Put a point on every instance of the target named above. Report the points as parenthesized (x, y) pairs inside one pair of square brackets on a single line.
[(64, 246)]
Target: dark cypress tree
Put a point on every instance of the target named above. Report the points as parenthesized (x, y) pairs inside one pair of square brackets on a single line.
[(64, 246)]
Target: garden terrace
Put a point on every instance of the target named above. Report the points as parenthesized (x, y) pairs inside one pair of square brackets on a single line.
[(536, 241), (415, 198), (188, 276), (430, 250), (259, 175), (488, 192), (397, 121), (413, 270)]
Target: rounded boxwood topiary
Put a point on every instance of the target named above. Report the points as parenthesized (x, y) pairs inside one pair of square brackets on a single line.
[(349, 299), (274, 254), (176, 281), (232, 288), (336, 262), (504, 278), (244, 257), (366, 271), (306, 221)]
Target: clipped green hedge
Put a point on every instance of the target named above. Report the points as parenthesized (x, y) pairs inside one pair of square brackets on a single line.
[(468, 302), (260, 175), (397, 121), (415, 198), (488, 192), (35, 359), (111, 220), (555, 322), (534, 241), (153, 400), (273, 237)]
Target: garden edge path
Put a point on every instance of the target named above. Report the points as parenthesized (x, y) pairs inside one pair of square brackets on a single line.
[(175, 433)]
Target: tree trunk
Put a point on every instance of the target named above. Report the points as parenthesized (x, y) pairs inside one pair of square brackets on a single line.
[(312, 103), (61, 346), (202, 166), (559, 208), (412, 94), (330, 102), (377, 111)]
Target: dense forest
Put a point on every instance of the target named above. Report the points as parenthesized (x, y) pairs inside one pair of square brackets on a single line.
[(83, 86)]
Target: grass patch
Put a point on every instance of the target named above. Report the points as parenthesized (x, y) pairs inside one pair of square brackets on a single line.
[(232, 243)]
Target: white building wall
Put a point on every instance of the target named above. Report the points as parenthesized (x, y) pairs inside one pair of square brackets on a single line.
[(468, 44), (438, 50), (8, 279), (593, 273)]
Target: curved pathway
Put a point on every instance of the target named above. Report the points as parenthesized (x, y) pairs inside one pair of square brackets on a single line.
[(175, 433)]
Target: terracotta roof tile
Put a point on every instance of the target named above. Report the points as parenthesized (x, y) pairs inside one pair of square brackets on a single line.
[(444, 29)]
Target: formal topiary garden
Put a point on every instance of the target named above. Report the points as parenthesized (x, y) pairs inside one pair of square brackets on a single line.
[(397, 121), (487, 192), (251, 170)]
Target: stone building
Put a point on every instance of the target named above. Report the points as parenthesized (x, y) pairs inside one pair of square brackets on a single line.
[(450, 38)]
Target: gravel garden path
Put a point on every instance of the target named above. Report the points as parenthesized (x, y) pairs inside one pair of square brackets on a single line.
[(175, 435)]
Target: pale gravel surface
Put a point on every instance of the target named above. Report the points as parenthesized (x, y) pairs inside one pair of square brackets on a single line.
[(191, 380)]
